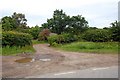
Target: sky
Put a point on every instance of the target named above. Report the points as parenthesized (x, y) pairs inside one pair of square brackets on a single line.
[(119, 11), (98, 13)]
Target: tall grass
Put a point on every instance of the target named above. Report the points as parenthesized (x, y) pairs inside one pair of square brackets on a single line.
[(16, 50), (91, 47)]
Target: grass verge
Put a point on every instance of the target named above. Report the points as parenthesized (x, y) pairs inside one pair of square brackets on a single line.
[(91, 47), (16, 50), (37, 42)]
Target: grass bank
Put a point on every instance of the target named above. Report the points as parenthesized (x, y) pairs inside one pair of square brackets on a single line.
[(16, 50), (91, 47)]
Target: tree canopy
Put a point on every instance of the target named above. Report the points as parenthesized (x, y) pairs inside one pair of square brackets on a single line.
[(16, 21), (61, 23)]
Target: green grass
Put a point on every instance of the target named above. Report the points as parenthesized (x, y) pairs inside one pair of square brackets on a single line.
[(91, 47), (16, 50), (37, 42)]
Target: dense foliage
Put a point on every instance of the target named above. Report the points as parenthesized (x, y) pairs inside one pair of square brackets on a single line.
[(115, 29), (15, 22), (97, 35), (17, 33), (61, 39), (34, 31), (61, 23), (11, 38)]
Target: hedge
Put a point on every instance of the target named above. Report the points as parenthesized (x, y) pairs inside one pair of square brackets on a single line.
[(97, 35), (12, 38)]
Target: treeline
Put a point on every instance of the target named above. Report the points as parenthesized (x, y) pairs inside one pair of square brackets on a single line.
[(59, 29)]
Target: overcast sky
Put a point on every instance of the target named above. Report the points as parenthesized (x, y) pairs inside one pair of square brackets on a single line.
[(99, 13)]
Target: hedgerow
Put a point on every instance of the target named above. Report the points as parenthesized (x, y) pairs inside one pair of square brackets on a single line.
[(12, 38), (98, 35)]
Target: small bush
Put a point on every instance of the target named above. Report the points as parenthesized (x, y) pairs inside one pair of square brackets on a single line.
[(52, 39), (55, 44), (34, 31), (12, 38), (43, 35)]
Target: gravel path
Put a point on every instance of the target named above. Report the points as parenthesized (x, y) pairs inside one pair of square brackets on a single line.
[(58, 61)]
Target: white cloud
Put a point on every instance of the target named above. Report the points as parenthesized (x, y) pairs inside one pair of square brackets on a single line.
[(43, 9)]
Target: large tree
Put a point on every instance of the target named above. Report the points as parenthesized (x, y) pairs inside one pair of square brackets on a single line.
[(58, 23), (77, 24), (63, 23)]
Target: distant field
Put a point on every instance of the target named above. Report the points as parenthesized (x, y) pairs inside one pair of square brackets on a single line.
[(91, 47)]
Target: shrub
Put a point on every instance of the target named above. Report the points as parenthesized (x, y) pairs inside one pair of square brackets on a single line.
[(34, 31), (55, 44), (61, 39), (52, 39), (98, 35), (43, 35), (12, 38)]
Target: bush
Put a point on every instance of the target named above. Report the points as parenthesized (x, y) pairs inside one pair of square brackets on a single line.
[(97, 35), (69, 38), (52, 39), (34, 31), (12, 38), (43, 35), (61, 39)]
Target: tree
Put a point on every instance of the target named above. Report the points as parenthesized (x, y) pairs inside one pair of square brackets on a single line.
[(62, 23), (77, 24), (15, 22), (115, 29), (93, 28), (8, 23), (58, 23), (20, 20), (34, 31)]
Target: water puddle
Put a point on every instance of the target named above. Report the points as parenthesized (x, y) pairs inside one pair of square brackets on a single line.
[(24, 60), (45, 60), (40, 57)]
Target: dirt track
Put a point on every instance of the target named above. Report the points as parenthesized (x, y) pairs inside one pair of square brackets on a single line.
[(60, 61)]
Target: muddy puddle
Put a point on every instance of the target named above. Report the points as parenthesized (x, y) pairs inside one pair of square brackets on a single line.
[(42, 57), (24, 60)]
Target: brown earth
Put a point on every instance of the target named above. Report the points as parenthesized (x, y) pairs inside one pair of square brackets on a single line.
[(59, 61)]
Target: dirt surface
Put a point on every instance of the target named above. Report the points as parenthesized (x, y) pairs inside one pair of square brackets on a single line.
[(59, 61)]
